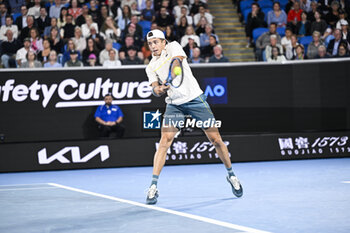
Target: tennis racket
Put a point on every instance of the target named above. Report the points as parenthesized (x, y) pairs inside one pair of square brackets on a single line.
[(176, 73)]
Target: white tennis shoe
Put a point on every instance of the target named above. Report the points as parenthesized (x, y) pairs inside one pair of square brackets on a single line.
[(237, 189), (152, 195)]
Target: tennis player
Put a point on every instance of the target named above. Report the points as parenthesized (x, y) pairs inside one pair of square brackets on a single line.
[(186, 100)]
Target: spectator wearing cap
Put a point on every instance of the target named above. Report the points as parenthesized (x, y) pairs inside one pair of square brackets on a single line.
[(9, 48), (31, 62), (132, 58), (8, 26), (97, 37), (74, 61), (333, 46), (22, 53), (112, 61), (218, 56), (92, 61), (129, 41), (196, 56), (52, 63), (104, 54), (70, 47)]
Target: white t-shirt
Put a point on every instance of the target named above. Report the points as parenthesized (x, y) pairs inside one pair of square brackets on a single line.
[(110, 63), (158, 69)]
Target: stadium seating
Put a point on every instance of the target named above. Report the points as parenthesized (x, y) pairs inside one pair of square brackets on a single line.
[(305, 41), (146, 26), (258, 32), (281, 31), (246, 4)]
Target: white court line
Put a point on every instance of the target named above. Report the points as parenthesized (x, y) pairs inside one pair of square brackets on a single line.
[(1, 185), (196, 217), (346, 182), (19, 189)]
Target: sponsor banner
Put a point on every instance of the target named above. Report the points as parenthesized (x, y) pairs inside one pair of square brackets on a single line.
[(59, 105), (184, 150)]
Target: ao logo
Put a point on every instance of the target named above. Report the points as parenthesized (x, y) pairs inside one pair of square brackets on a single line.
[(218, 90)]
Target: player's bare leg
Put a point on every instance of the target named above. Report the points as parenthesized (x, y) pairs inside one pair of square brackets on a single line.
[(222, 151), (166, 139), (168, 134)]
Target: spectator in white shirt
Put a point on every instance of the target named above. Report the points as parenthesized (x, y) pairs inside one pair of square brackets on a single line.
[(104, 54), (8, 25), (22, 53), (112, 62), (85, 28), (201, 13), (35, 10)]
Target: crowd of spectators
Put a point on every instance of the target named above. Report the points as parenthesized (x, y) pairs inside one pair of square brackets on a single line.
[(310, 29), (109, 33)]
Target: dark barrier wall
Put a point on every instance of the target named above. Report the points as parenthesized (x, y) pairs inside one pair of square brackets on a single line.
[(256, 98), (184, 150)]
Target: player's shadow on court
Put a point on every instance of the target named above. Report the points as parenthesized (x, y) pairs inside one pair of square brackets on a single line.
[(202, 204)]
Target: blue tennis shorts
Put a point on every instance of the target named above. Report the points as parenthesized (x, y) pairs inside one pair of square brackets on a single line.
[(197, 109)]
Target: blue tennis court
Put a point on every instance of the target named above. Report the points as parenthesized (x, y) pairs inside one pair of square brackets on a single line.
[(290, 196)]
